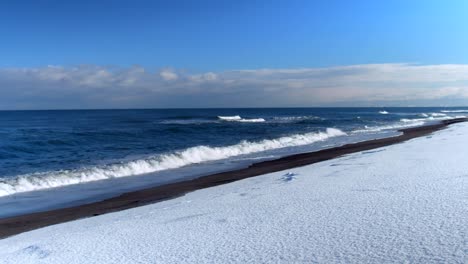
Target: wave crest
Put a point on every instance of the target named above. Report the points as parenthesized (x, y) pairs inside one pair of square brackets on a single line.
[(455, 111), (240, 119), (372, 129)]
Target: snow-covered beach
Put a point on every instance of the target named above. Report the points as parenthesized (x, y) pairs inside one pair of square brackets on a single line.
[(400, 203)]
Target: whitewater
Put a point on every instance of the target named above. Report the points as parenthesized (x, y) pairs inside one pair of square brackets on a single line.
[(240, 119), (199, 154), (89, 155), (353, 209)]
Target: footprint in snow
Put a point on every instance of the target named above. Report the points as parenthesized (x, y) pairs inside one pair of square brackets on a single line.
[(289, 176), (36, 251)]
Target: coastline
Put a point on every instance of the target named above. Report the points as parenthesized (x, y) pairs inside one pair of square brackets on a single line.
[(18, 224)]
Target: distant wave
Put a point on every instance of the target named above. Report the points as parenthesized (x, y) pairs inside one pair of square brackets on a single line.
[(195, 121), (455, 111), (230, 118), (407, 122), (437, 114), (383, 112), (237, 118), (294, 119), (414, 120), (368, 129), (276, 119), (187, 121), (433, 115), (193, 155), (252, 120), (430, 117)]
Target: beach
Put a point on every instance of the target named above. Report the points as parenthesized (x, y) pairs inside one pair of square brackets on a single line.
[(381, 202), (15, 225), (181, 132)]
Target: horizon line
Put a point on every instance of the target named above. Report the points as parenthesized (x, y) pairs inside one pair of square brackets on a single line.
[(208, 108)]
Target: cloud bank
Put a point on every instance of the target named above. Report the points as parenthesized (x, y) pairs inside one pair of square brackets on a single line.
[(90, 86)]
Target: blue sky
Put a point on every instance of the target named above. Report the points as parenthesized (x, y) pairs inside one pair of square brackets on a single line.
[(189, 38), (220, 35)]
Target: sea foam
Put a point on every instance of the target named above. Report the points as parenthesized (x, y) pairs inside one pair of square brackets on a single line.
[(455, 111), (193, 155), (230, 118), (237, 118), (402, 125)]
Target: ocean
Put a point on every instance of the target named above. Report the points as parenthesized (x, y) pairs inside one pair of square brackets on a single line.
[(51, 159)]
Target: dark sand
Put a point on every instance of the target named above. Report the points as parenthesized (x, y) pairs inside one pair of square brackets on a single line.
[(18, 224)]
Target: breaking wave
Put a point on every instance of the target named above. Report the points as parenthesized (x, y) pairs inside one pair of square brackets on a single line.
[(383, 112), (406, 123), (433, 115), (389, 127), (240, 119), (294, 119), (437, 114), (193, 155), (430, 117), (455, 111), (230, 118)]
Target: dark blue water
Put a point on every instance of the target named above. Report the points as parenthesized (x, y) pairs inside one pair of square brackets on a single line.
[(44, 149)]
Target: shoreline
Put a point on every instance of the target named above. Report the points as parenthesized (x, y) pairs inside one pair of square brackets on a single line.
[(18, 224)]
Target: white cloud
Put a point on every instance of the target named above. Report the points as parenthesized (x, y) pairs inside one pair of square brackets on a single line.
[(92, 86), (168, 75)]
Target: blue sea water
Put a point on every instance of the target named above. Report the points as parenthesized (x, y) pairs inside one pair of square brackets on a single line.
[(41, 151)]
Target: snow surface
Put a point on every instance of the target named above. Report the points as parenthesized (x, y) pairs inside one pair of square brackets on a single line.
[(406, 203)]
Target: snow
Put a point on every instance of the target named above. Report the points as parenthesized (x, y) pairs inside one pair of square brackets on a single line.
[(402, 203)]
